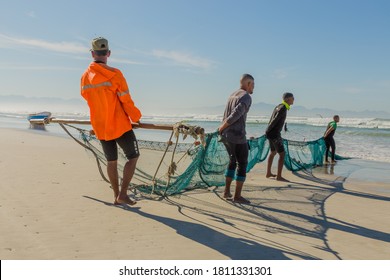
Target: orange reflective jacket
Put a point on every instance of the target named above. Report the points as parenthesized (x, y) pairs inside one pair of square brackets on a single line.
[(111, 108)]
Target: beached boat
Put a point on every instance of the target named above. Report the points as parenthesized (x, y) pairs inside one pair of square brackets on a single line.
[(39, 116)]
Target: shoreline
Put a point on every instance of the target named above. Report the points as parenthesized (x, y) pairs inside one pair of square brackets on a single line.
[(352, 140), (56, 206), (154, 135)]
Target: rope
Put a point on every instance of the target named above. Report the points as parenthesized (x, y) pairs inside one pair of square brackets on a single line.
[(172, 166), (159, 165)]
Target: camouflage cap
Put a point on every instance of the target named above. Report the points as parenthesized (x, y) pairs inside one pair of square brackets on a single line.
[(99, 44)]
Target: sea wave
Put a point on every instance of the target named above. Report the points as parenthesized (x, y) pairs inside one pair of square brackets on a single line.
[(374, 123), (344, 122), (365, 138)]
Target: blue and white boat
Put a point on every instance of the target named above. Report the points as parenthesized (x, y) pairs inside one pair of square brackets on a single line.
[(41, 117)]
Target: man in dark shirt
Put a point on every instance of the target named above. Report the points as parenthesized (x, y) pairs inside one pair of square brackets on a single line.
[(274, 128), (233, 136), (329, 140)]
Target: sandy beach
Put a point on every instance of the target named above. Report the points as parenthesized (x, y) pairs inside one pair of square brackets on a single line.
[(54, 205)]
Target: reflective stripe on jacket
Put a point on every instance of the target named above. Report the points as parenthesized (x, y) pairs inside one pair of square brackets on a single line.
[(111, 108)]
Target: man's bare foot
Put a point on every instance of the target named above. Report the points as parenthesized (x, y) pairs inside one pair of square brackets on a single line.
[(227, 195), (270, 175), (282, 179), (241, 200), (124, 200)]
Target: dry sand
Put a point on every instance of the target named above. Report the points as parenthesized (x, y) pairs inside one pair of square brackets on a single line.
[(54, 205)]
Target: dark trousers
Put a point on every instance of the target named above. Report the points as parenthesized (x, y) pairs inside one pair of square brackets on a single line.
[(330, 143), (238, 159)]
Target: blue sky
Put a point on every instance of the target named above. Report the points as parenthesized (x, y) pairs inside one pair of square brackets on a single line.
[(330, 53)]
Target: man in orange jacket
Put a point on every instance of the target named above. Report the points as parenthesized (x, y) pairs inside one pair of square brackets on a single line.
[(112, 111)]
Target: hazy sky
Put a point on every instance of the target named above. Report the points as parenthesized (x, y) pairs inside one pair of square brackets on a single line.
[(329, 53)]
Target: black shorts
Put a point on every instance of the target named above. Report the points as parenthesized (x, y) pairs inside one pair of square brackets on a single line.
[(276, 144), (127, 142)]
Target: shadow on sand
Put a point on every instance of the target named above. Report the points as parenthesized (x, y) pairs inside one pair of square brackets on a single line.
[(296, 209), (234, 248)]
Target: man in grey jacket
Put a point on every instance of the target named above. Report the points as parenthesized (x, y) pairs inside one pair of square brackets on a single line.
[(233, 136)]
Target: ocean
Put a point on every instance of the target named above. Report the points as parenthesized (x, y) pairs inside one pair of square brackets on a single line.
[(361, 138)]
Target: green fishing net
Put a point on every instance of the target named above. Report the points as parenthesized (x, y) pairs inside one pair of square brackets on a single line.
[(172, 167)]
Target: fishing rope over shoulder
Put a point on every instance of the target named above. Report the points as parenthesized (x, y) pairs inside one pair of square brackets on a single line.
[(175, 166)]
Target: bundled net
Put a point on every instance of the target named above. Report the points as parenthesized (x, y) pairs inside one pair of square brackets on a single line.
[(174, 166), (303, 155)]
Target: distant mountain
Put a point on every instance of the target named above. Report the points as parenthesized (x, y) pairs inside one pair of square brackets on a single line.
[(78, 105), (324, 112), (40, 100), (32, 104), (264, 109)]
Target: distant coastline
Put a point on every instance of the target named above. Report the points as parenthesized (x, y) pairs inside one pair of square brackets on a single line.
[(365, 138), (19, 103)]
